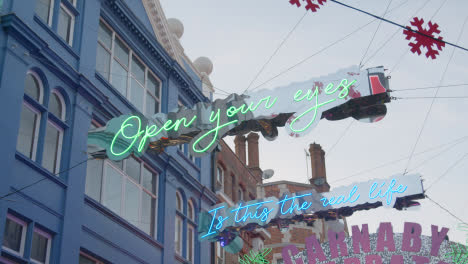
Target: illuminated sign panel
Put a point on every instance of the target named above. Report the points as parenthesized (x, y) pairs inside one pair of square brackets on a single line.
[(299, 106), (394, 192), (383, 247)]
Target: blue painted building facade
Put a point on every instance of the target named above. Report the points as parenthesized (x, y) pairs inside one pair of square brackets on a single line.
[(67, 66)]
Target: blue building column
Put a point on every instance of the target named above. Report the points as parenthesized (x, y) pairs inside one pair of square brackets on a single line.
[(169, 217), (13, 70), (74, 201)]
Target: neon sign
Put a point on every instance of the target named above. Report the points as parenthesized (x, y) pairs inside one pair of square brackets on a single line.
[(298, 107), (383, 247), (390, 193)]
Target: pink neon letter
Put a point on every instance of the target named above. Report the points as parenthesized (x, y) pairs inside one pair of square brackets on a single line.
[(352, 261), (373, 259), (412, 232), (288, 259), (336, 238), (420, 260), (314, 250), (385, 237), (361, 237), (397, 259), (437, 238)]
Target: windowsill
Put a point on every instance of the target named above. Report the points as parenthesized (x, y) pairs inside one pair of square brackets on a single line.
[(35, 166), (9, 255), (181, 259), (118, 219), (56, 37)]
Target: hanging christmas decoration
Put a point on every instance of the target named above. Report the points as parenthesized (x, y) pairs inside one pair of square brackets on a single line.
[(424, 38), (310, 4)]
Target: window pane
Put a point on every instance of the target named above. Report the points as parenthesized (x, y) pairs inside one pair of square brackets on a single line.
[(43, 8), (148, 180), (190, 237), (153, 85), (113, 189), (103, 61), (118, 164), (119, 77), (55, 105), (12, 236), (137, 94), (39, 247), (138, 70), (65, 25), (132, 203), (147, 213), (178, 202), (132, 169), (52, 148), (190, 211), (27, 131), (152, 106), (178, 235), (105, 35), (94, 179), (31, 87), (121, 52), (85, 260)]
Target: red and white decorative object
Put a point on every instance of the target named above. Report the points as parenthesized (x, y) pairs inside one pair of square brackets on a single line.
[(423, 40), (310, 5)]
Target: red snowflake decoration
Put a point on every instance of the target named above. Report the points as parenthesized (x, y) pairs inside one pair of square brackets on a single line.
[(310, 4), (423, 39)]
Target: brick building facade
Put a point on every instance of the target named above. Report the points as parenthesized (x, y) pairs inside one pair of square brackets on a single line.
[(297, 233), (236, 180)]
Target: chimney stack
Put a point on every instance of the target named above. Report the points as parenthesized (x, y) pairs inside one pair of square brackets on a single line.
[(254, 160), (319, 174), (239, 142)]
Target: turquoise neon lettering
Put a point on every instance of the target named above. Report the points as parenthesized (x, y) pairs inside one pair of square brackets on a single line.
[(213, 221), (263, 216), (121, 131), (293, 205), (344, 92), (314, 108)]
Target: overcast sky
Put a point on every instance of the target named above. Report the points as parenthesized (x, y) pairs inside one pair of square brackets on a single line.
[(239, 36)]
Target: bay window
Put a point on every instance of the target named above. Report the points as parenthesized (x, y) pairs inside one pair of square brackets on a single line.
[(119, 65), (128, 188)]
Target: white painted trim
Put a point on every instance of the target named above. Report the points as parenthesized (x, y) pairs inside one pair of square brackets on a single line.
[(72, 23)]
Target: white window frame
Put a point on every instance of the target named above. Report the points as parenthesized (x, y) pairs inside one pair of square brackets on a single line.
[(49, 245), (39, 81), (129, 76), (51, 12), (36, 128), (72, 23), (191, 241), (23, 235), (220, 249), (59, 147), (219, 178), (126, 178), (62, 102), (181, 234)]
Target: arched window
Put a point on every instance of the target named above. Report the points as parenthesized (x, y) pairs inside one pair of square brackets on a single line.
[(30, 116), (220, 178), (179, 224), (54, 134), (31, 136), (190, 232)]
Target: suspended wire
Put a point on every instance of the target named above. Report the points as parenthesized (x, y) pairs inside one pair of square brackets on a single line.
[(375, 33), (341, 137), (400, 159), (455, 144), (395, 33), (276, 51), (435, 96), (44, 178), (429, 97), (399, 25), (446, 210), (429, 87), (447, 171)]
